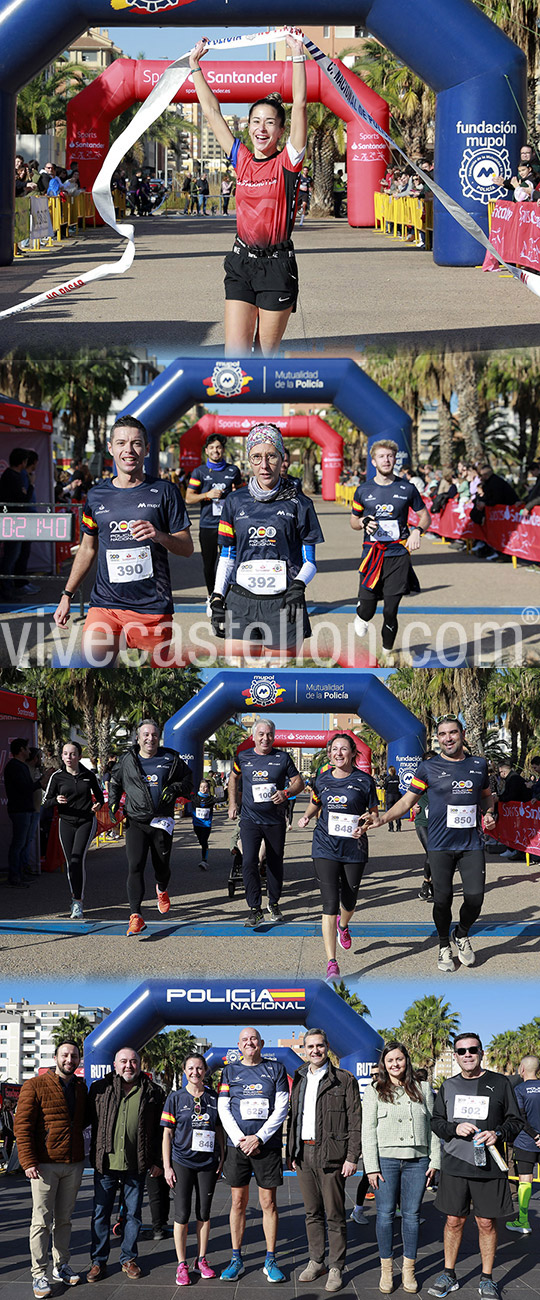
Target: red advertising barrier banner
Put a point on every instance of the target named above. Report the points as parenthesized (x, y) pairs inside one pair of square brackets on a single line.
[(504, 529), (515, 233), (518, 826)]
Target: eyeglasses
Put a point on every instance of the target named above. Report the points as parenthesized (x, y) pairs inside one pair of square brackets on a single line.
[(197, 1106), (467, 1051), (272, 458)]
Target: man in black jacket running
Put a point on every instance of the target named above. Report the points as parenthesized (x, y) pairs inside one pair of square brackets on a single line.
[(152, 779)]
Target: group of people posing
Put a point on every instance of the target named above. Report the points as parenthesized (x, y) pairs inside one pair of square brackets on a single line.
[(405, 1136)]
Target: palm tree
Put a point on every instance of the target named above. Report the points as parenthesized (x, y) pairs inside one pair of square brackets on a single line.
[(519, 20), (72, 1028), (226, 742), (326, 143), (504, 1051), (351, 999), (164, 1055), (412, 103), (513, 697), (427, 1027), (43, 101)]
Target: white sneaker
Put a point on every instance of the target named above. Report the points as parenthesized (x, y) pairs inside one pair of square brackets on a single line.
[(360, 626), (446, 960), (66, 1275), (358, 1215), (40, 1286), (76, 913), (464, 951)]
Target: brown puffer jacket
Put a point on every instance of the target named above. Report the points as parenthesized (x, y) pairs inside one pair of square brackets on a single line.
[(105, 1098), (43, 1127)]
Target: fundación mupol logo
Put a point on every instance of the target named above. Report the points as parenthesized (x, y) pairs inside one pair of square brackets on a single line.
[(485, 155)]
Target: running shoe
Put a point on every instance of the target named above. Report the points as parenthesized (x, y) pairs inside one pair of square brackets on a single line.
[(443, 1285), (464, 951), (446, 960), (163, 900), (275, 913), (233, 1270), (182, 1275), (136, 925), (66, 1275), (40, 1286), (360, 626), (426, 892), (272, 1272), (488, 1289), (76, 913), (254, 918), (332, 971), (203, 866), (343, 935), (358, 1215), (202, 1266), (516, 1226)]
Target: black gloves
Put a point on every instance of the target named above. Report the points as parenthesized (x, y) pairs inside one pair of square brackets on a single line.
[(293, 599), (218, 614)]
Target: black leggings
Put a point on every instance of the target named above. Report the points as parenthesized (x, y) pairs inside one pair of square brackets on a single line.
[(362, 1188), (252, 837), (421, 832), (140, 837), (203, 835), (338, 878), (367, 604), (75, 842), (204, 1181), (471, 865), (208, 540)]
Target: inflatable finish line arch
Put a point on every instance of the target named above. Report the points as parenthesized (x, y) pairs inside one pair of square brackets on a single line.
[(332, 381), (237, 1001), (292, 691), (478, 74)]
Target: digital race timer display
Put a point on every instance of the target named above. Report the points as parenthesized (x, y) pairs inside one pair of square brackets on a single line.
[(34, 527)]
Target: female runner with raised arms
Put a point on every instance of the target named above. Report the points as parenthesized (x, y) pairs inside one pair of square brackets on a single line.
[(341, 794), (261, 277)]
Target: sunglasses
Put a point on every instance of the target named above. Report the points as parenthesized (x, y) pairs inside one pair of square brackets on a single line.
[(446, 717), (467, 1051)]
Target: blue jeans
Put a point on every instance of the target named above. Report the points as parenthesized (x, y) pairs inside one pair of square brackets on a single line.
[(105, 1189), (404, 1181), (19, 849)]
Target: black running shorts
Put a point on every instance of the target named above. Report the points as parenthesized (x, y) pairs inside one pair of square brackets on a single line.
[(265, 278), (491, 1198), (265, 619), (267, 1167)]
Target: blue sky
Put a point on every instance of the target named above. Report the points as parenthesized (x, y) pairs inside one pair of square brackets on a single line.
[(489, 1006)]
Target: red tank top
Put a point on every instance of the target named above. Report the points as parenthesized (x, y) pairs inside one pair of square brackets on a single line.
[(266, 195)]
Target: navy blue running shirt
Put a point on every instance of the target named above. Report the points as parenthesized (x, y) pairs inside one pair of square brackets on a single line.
[(268, 530), (156, 771), (252, 1091), (454, 793), (194, 1142), (130, 574), (389, 504), (527, 1094), (206, 477), (262, 775), (342, 800)]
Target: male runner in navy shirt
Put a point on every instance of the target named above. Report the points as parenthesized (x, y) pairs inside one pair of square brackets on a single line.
[(208, 486), (269, 778), (252, 1105), (130, 522), (381, 508), (458, 787), (527, 1143)]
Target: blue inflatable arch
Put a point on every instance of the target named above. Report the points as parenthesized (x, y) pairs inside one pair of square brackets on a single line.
[(337, 381), (234, 1002), (297, 691), (479, 76)]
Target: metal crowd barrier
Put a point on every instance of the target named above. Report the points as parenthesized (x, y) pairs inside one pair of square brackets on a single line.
[(68, 215)]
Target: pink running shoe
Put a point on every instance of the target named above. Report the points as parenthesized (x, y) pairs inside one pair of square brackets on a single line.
[(332, 971), (202, 1266), (182, 1275), (343, 935)]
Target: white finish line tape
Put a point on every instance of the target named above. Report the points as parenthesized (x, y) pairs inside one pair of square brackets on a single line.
[(163, 94)]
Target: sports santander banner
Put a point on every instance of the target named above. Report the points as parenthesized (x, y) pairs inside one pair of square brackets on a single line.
[(518, 826), (515, 233), (504, 529)]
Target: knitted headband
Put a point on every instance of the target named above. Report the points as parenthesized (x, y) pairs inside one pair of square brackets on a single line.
[(265, 433)]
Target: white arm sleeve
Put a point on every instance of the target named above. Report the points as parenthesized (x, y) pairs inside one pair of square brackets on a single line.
[(229, 1124), (224, 569), (276, 1119), (307, 572)]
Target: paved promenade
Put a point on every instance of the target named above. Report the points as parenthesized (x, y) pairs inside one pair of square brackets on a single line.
[(356, 287)]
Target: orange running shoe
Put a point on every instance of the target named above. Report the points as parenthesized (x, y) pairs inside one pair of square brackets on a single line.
[(136, 925), (163, 900)]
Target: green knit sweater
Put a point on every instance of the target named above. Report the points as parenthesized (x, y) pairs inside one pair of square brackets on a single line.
[(400, 1128)]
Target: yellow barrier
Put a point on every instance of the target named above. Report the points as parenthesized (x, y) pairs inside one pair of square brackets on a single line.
[(68, 215), (397, 216), (345, 493)]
